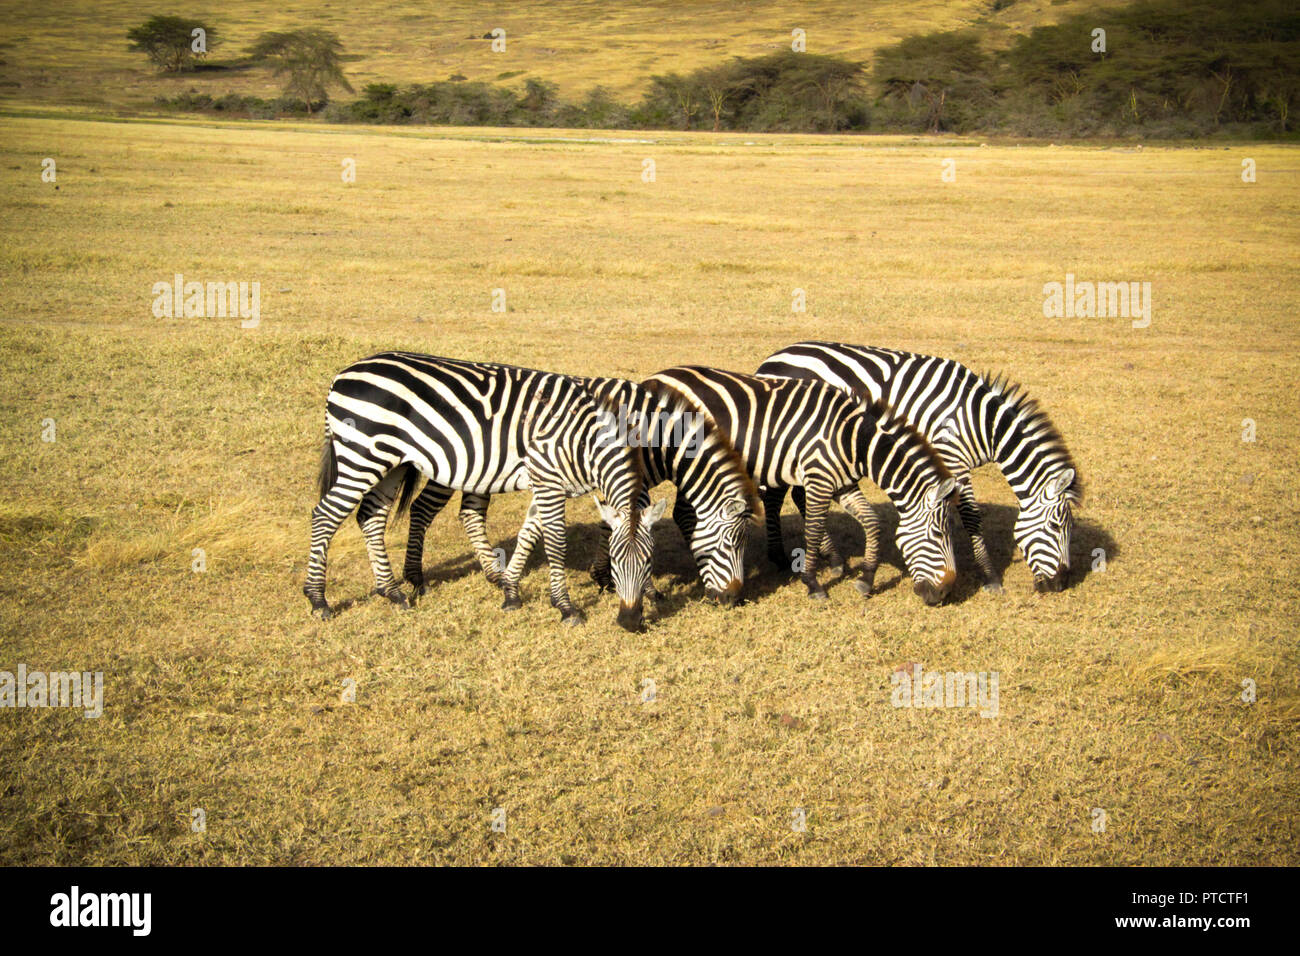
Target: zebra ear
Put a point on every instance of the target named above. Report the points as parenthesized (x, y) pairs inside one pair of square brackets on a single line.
[(940, 491), (1058, 485), (734, 508), (607, 514), (656, 511)]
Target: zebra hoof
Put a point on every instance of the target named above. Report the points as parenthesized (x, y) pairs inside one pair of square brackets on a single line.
[(573, 618), (322, 611), (396, 597), (863, 588), (993, 587), (818, 596), (511, 603)]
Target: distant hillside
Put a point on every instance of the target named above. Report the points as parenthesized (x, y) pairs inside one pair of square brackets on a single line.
[(76, 53)]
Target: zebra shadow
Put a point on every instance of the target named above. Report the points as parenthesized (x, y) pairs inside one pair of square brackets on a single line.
[(1090, 544), (673, 558), (582, 542)]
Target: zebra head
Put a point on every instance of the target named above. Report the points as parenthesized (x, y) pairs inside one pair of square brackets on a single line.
[(631, 548), (718, 544), (925, 540), (1042, 530)]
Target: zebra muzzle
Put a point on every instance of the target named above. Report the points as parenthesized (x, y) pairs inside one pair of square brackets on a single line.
[(934, 593), (629, 616), (729, 597), (1045, 583)]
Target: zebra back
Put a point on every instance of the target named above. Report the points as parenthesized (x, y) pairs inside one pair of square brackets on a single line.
[(471, 426), (782, 426), (971, 420)]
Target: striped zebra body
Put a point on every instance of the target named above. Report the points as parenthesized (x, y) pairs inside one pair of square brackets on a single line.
[(971, 421), (479, 428), (811, 436), (675, 444), (680, 445)]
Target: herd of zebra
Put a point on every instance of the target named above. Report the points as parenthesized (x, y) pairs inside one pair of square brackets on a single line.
[(815, 418)]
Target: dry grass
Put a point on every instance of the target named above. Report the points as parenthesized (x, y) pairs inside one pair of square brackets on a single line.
[(1122, 693), (54, 54)]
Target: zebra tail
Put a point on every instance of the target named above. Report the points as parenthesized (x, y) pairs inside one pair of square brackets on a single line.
[(410, 479), (329, 466)]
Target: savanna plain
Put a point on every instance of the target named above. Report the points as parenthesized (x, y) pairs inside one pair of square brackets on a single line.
[(1160, 689)]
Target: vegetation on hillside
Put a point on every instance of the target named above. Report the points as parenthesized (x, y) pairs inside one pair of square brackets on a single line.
[(1160, 68)]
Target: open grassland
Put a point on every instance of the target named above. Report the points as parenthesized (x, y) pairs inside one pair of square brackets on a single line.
[(1122, 694), (77, 53)]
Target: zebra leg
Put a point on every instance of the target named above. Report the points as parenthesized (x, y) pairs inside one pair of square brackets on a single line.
[(473, 517), (969, 510), (817, 503), (684, 516), (525, 541), (423, 510), (550, 508), (372, 516), (853, 501), (773, 499), (828, 549), (335, 505), (600, 569)]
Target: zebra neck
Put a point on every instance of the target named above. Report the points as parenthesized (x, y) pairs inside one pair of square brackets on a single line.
[(1022, 455)]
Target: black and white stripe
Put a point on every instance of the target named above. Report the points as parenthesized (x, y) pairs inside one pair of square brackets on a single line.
[(971, 421), (677, 444), (483, 429), (811, 436)]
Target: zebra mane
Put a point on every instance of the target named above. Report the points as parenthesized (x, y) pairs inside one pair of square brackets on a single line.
[(730, 462), (1030, 416), (888, 418)]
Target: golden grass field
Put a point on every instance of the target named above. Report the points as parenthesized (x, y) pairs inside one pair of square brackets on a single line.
[(78, 54), (1121, 694)]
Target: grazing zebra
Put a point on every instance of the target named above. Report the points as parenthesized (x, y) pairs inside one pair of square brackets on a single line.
[(809, 435), (676, 443), (971, 421), (480, 428)]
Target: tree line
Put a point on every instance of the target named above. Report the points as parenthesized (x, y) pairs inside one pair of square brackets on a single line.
[(1156, 68)]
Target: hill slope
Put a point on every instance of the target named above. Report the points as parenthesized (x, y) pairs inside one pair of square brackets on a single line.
[(53, 54)]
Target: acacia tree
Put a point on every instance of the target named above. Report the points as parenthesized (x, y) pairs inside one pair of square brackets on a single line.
[(311, 59), (719, 87), (936, 69), (172, 43)]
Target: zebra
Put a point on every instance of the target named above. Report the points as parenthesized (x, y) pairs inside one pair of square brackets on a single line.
[(482, 428), (676, 443), (807, 434), (972, 420)]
